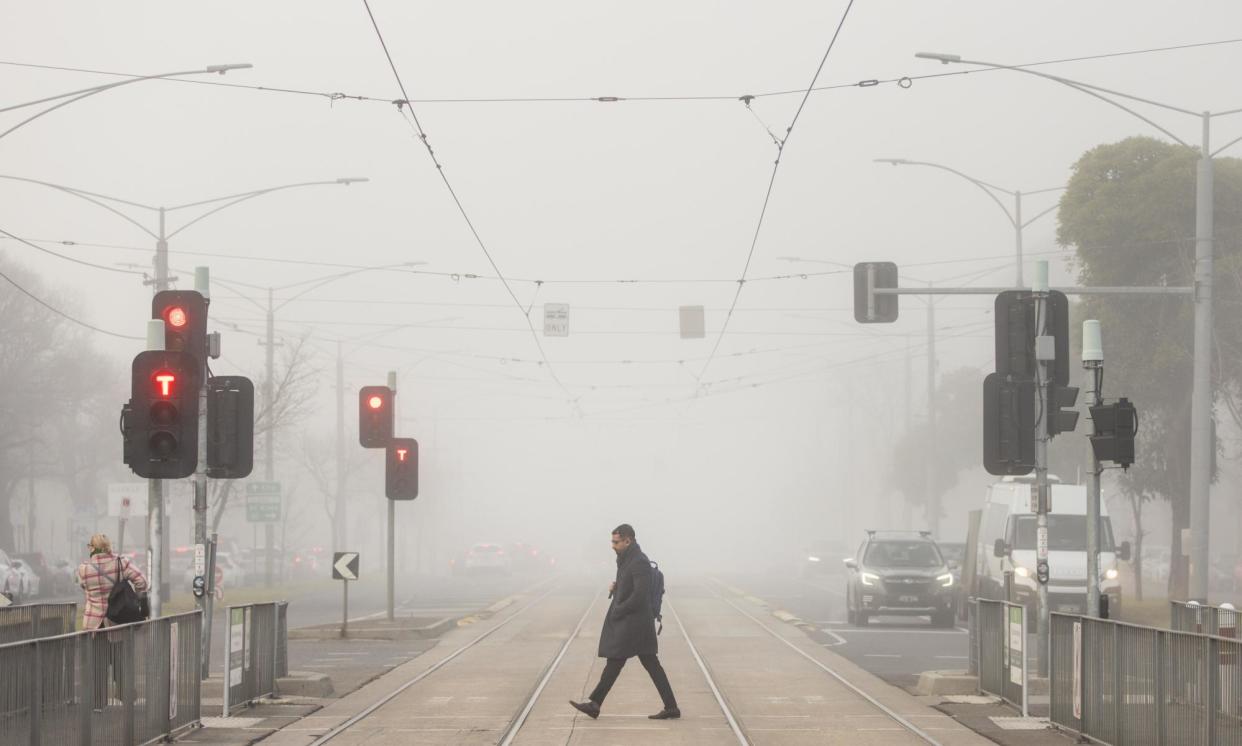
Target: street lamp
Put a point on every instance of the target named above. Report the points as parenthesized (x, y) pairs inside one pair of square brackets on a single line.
[(78, 95), (161, 236), (1201, 391), (1015, 217)]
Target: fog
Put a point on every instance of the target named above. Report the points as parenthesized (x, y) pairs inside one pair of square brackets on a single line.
[(732, 450)]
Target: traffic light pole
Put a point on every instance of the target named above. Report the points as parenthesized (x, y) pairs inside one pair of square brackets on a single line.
[(929, 463), (392, 518), (155, 506), (1044, 354), (269, 442), (1095, 368), (202, 283)]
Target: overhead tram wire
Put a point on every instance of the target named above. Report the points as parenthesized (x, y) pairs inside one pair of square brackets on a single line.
[(904, 81), (767, 197)]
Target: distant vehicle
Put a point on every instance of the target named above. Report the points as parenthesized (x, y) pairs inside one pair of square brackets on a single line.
[(899, 573), (64, 576), (10, 579), (528, 558), (39, 565), (823, 558), (30, 581), (485, 558), (1007, 544)]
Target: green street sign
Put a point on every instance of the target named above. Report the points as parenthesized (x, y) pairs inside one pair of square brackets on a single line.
[(263, 502)]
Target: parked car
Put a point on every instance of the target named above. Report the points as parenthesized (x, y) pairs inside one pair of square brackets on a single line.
[(31, 583), (10, 579), (37, 563), (899, 573)]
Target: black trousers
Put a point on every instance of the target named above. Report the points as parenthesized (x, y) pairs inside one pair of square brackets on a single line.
[(612, 669)]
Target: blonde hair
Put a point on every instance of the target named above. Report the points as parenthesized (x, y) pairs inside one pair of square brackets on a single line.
[(101, 543)]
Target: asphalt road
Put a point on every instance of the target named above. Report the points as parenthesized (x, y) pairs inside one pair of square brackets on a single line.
[(897, 649)]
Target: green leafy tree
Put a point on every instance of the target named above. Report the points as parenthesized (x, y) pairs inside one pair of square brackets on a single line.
[(1129, 213)]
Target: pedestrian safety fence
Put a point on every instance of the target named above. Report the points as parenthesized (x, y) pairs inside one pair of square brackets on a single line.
[(28, 621), (256, 652), (1120, 683), (998, 636), (1189, 616), (131, 684)]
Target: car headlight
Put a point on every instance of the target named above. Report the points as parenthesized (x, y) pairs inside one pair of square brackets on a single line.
[(870, 578), (1110, 573), (946, 580), (812, 559), (1021, 572)]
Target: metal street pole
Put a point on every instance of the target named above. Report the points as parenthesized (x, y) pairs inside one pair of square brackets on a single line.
[(342, 518), (155, 508), (1017, 231), (392, 515), (269, 443), (1201, 398), (202, 283), (929, 463), (1093, 361), (1044, 354)]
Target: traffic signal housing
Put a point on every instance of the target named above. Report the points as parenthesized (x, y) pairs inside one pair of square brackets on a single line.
[(375, 416), (1008, 425), (869, 307), (1116, 425), (184, 313), (230, 427), (401, 469), (1062, 418), (159, 426)]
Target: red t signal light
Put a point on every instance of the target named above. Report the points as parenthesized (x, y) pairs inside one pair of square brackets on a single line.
[(401, 469), (375, 416), (160, 423)]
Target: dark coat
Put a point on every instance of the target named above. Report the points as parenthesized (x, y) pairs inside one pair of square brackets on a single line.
[(629, 627)]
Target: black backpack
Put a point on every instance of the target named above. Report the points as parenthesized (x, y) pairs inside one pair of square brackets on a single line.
[(657, 594), (125, 605)]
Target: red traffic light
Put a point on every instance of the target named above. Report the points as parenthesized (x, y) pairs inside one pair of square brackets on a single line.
[(375, 402), (375, 416), (164, 382), (175, 317)]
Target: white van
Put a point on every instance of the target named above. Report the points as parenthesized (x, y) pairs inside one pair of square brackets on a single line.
[(1006, 543)]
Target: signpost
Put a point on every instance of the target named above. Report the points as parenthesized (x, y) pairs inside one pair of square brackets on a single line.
[(556, 319), (345, 567), (263, 502)]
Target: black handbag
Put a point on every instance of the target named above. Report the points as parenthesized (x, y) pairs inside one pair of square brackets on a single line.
[(126, 605)]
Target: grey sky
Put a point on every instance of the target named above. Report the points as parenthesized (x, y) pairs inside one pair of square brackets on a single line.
[(653, 190)]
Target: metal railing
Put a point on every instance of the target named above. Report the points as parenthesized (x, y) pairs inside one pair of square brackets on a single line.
[(1191, 616), (1121, 683), (132, 684), (28, 621), (255, 653), (1001, 650)]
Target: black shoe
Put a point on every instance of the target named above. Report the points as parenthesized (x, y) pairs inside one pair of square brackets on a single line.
[(666, 714), (588, 708)]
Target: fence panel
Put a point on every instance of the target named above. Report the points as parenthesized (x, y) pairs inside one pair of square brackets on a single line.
[(1002, 650), (28, 621), (256, 652), (1125, 684), (111, 686)]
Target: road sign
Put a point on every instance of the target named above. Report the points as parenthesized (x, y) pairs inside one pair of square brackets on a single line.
[(556, 319), (127, 495), (870, 308), (263, 502), (345, 566)]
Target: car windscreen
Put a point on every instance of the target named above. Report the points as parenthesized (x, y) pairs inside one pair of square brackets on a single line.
[(902, 554), (1067, 533)]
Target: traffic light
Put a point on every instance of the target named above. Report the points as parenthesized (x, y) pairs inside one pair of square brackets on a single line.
[(1116, 425), (401, 469), (160, 423), (375, 416), (1008, 425), (230, 427), (184, 313), (870, 308), (1016, 330), (1061, 417)]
